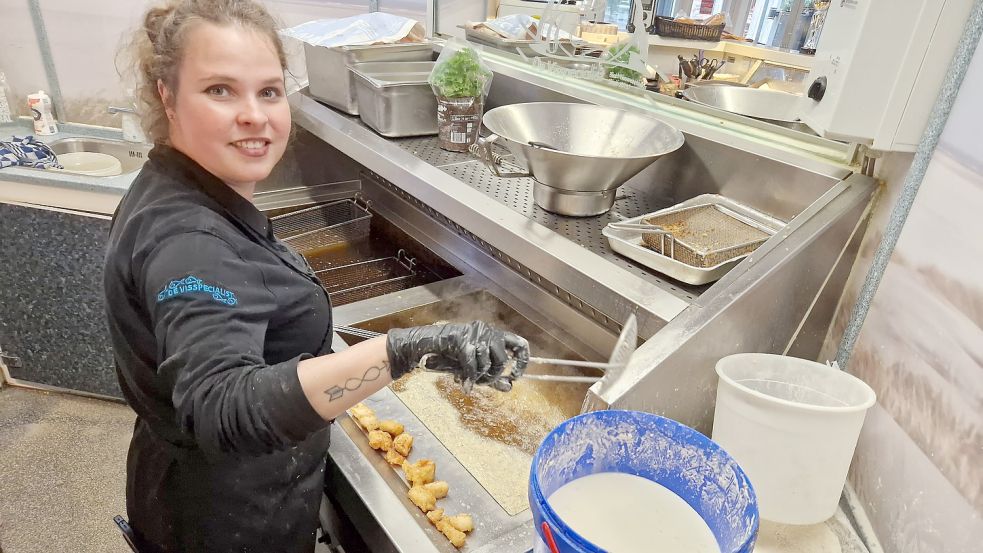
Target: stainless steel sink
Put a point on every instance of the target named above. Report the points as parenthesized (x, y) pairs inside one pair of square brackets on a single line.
[(130, 154)]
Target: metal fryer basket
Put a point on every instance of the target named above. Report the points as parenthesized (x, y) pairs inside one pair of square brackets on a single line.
[(323, 226), (365, 279), (703, 235)]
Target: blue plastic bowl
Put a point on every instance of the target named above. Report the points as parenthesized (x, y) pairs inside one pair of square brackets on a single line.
[(653, 447)]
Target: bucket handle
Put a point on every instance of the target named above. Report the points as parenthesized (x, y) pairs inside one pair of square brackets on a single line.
[(483, 149), (548, 534)]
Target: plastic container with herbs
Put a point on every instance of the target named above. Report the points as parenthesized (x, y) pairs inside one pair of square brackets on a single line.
[(460, 81), (620, 59)]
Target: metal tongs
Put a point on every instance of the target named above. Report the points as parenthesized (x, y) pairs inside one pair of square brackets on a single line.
[(620, 355), (647, 227)]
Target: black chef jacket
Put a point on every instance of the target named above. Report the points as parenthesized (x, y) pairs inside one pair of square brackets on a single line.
[(209, 315)]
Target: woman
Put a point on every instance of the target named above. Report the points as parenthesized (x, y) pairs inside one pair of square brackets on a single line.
[(222, 335)]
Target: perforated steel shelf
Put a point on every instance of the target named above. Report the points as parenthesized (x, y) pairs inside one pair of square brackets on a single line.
[(516, 193)]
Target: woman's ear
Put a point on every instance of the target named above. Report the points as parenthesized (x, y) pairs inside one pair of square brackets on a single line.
[(166, 98)]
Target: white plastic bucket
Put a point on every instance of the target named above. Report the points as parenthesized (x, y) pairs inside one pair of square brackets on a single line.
[(792, 425)]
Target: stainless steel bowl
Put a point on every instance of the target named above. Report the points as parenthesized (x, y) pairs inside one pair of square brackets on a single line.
[(760, 104), (579, 154)]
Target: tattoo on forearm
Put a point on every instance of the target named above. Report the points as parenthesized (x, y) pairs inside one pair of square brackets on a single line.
[(352, 384)]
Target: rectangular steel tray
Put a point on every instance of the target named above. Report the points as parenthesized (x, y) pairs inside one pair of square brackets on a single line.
[(395, 99), (629, 242), (510, 45), (328, 69)]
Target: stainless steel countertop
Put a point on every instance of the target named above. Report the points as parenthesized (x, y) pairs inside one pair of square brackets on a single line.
[(532, 244)]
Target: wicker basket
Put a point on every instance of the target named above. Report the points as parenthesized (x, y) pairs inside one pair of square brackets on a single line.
[(667, 27)]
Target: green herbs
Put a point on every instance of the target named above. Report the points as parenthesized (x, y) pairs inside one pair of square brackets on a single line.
[(461, 76), (622, 54)]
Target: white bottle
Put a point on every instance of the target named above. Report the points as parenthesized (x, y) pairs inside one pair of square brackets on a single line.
[(6, 114), (40, 106)]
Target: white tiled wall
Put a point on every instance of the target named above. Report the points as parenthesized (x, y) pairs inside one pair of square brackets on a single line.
[(85, 37)]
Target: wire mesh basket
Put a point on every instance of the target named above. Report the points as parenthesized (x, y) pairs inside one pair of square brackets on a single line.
[(703, 236), (368, 279), (323, 226)]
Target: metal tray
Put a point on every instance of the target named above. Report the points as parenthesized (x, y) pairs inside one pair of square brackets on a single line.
[(510, 45), (394, 98), (629, 242), (330, 79)]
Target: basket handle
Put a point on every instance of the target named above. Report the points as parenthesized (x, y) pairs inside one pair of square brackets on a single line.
[(483, 150), (404, 259), (365, 204)]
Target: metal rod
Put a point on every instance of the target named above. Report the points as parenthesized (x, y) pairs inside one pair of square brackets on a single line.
[(645, 227), (359, 332), (572, 363), (557, 378), (48, 60)]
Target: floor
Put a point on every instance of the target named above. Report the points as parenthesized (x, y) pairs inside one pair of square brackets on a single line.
[(62, 472)]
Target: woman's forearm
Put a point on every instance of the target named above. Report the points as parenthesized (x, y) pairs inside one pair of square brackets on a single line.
[(335, 382)]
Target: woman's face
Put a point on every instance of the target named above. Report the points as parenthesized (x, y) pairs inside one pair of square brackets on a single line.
[(230, 112)]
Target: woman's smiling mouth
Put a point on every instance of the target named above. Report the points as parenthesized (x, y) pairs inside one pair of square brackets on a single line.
[(252, 146)]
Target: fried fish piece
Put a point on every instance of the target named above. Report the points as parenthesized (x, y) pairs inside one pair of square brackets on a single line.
[(462, 522), (380, 440), (421, 472), (394, 458), (435, 515), (455, 536), (403, 443), (453, 527), (438, 488), (422, 498), (368, 422), (394, 428), (360, 410)]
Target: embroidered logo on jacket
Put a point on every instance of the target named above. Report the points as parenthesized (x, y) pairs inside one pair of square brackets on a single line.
[(194, 285)]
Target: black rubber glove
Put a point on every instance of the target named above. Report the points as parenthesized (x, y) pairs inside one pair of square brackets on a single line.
[(474, 352)]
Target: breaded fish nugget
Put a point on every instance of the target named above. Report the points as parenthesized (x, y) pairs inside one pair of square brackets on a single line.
[(403, 444), (368, 422), (422, 498), (438, 489), (421, 472), (394, 428), (394, 458), (380, 440), (435, 515), (455, 536), (462, 522)]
